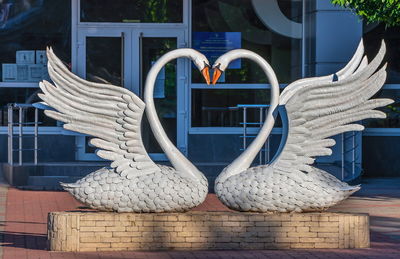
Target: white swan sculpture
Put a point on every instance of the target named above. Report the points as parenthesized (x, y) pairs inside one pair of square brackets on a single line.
[(113, 114), (316, 109)]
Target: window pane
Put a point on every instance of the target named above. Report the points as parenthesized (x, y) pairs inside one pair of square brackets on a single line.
[(164, 90), (132, 11), (88, 147), (392, 111), (268, 38), (29, 26), (373, 35), (103, 60), (218, 107)]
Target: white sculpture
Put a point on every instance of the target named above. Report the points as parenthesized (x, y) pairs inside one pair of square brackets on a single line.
[(317, 108), (113, 114)]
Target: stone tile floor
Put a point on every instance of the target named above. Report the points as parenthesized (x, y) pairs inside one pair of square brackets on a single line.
[(24, 217)]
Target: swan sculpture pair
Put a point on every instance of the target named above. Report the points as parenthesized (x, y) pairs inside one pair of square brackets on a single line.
[(316, 109)]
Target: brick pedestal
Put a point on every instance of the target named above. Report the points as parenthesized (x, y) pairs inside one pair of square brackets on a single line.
[(103, 231)]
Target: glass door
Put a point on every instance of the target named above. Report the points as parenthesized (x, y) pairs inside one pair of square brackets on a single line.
[(123, 58), (168, 90)]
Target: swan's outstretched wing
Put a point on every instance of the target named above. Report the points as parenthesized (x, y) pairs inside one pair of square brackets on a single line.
[(110, 113), (319, 108)]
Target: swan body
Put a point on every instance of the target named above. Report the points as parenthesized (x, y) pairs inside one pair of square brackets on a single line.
[(112, 114), (263, 189), (160, 191), (315, 109)]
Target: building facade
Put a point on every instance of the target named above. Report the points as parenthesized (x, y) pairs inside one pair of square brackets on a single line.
[(117, 41)]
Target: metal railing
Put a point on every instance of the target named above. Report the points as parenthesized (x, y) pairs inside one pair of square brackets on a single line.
[(264, 155), (21, 109), (349, 148)]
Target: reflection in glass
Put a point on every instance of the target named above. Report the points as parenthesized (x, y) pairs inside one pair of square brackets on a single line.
[(164, 90), (373, 35), (283, 53), (132, 11), (33, 25), (392, 111), (218, 107), (103, 60)]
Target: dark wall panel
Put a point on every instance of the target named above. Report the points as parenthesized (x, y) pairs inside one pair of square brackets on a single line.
[(381, 156)]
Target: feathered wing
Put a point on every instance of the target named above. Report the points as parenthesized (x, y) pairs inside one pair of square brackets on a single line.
[(319, 108), (110, 113)]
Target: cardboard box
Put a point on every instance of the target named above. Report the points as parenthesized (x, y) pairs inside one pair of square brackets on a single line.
[(41, 57), (22, 73), (9, 72), (25, 57), (35, 73), (45, 73)]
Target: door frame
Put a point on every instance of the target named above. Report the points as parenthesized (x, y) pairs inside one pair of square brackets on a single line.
[(131, 73)]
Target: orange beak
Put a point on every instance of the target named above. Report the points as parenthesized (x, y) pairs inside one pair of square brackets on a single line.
[(206, 74), (217, 73)]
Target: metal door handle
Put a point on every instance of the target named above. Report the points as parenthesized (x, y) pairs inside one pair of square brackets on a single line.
[(141, 65), (123, 59)]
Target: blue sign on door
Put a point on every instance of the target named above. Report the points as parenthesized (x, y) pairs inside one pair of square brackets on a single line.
[(215, 44)]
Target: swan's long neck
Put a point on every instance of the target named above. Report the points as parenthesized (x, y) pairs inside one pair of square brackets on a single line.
[(244, 161), (177, 159)]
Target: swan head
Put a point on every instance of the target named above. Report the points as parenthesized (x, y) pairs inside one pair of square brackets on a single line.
[(201, 62)]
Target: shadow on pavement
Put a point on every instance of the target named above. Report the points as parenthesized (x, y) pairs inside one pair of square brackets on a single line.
[(23, 240)]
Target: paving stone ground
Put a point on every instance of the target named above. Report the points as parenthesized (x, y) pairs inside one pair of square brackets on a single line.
[(24, 218)]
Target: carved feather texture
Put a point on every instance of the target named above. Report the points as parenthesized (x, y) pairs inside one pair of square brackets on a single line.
[(321, 108), (109, 113), (317, 109)]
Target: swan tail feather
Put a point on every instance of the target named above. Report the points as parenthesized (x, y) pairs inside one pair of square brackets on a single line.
[(351, 188), (69, 186)]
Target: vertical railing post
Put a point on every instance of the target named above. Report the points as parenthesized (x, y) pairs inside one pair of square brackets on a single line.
[(267, 153), (20, 136), (342, 156), (261, 122), (244, 127), (353, 162), (10, 134), (35, 154)]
